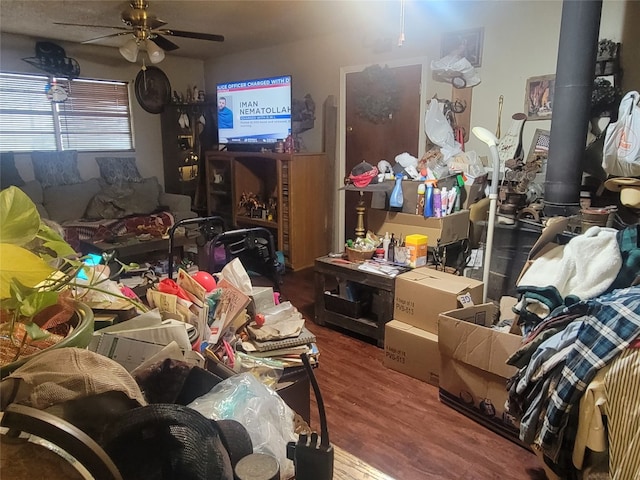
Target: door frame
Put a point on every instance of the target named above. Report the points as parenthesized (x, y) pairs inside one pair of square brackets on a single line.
[(339, 213)]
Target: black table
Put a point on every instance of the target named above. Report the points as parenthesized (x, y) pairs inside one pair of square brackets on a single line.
[(367, 317)]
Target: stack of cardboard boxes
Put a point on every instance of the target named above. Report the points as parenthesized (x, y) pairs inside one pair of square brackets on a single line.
[(443, 334), (411, 338)]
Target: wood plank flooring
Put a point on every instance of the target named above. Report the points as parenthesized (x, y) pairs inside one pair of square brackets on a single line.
[(394, 422)]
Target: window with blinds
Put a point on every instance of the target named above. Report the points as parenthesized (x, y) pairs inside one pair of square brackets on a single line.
[(94, 117)]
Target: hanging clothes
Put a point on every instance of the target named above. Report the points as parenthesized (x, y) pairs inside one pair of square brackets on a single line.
[(612, 323)]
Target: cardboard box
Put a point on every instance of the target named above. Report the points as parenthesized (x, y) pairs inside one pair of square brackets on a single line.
[(473, 372), (411, 351), (417, 246), (448, 229), (423, 293)]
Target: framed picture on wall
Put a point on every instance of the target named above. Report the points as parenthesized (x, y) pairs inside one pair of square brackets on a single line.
[(538, 151), (467, 43), (538, 102)]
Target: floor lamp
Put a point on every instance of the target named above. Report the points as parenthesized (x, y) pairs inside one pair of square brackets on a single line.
[(490, 139)]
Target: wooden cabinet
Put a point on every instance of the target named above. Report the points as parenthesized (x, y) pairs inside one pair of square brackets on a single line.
[(188, 130), (295, 188), (219, 186)]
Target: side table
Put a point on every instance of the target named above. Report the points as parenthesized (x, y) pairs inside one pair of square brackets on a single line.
[(368, 323)]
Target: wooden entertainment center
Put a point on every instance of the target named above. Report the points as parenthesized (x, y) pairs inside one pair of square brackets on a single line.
[(298, 186)]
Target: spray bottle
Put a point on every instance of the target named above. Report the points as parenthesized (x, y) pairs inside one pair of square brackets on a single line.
[(397, 197)]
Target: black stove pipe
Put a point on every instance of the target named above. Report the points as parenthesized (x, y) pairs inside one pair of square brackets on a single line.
[(579, 32)]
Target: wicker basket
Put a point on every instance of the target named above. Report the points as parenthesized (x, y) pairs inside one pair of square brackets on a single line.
[(358, 255)]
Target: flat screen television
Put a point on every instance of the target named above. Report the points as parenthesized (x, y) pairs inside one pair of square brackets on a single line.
[(254, 114)]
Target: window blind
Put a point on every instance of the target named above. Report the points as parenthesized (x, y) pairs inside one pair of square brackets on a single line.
[(95, 116)]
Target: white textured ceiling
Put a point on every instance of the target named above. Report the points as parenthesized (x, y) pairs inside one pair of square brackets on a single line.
[(245, 24)]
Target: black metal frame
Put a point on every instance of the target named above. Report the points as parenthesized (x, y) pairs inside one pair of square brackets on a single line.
[(208, 227), (254, 247)]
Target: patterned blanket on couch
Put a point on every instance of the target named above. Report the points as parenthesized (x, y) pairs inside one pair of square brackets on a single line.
[(156, 224)]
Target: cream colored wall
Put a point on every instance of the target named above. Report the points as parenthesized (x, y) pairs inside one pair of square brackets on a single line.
[(106, 63), (520, 41)]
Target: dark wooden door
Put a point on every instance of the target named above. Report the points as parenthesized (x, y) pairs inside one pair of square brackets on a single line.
[(373, 140)]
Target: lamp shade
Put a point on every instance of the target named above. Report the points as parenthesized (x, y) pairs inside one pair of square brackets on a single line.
[(485, 135), (130, 50), (156, 54)]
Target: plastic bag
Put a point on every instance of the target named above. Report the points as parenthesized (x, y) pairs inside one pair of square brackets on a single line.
[(621, 151), (267, 418), (437, 127), (235, 273), (455, 66)]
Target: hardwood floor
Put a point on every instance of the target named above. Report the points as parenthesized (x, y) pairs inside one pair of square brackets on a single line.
[(394, 422)]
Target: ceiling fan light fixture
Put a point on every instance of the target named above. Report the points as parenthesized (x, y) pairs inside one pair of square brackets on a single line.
[(156, 54), (130, 50)]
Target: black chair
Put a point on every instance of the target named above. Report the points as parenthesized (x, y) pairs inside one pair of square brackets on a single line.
[(254, 247), (208, 228)]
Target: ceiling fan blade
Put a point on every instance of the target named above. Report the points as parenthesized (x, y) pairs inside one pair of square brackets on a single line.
[(164, 43), (198, 36), (119, 34), (91, 26)]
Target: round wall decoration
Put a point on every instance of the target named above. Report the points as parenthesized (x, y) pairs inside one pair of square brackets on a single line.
[(153, 89)]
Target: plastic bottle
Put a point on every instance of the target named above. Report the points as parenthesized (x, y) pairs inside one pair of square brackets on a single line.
[(397, 197), (428, 200), (392, 249), (444, 201), (459, 186), (437, 204), (420, 201), (385, 244)]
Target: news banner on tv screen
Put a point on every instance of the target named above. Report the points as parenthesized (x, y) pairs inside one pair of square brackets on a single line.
[(257, 110)]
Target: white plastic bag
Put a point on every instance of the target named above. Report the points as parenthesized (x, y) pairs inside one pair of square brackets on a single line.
[(267, 418), (437, 127), (621, 152), (452, 66)]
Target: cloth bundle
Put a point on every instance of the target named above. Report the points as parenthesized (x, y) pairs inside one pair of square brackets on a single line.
[(582, 269)]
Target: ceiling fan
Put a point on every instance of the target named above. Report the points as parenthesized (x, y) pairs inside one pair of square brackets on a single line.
[(146, 29)]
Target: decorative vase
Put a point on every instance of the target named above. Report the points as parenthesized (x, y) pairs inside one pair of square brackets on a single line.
[(82, 322)]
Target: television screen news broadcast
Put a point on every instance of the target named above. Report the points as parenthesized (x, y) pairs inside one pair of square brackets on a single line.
[(254, 111)]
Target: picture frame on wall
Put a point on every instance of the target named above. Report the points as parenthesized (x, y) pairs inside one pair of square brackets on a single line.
[(539, 149), (539, 93), (467, 43)]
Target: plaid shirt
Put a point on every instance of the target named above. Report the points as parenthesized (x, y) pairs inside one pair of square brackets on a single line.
[(611, 323)]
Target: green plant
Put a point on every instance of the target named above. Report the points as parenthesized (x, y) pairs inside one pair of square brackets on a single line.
[(38, 277), (604, 97)]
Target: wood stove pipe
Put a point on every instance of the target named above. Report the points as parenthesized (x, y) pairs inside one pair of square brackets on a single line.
[(579, 32)]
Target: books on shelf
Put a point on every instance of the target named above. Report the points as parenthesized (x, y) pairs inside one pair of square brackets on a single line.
[(305, 338)]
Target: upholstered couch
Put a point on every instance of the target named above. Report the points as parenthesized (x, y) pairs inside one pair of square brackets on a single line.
[(119, 202)]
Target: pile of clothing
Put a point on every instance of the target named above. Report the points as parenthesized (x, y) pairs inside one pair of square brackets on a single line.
[(579, 312)]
